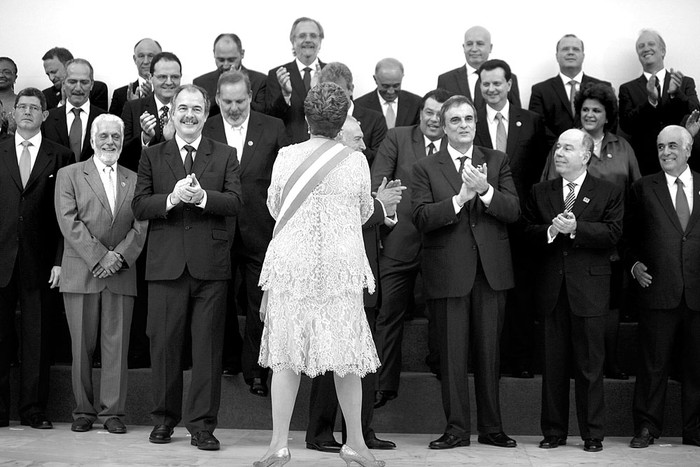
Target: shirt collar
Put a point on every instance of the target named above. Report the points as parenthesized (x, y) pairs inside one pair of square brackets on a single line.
[(427, 142), (243, 126), (101, 165), (35, 140), (455, 154), (686, 177), (351, 108), (565, 79), (471, 71), (181, 143), (661, 75), (85, 107), (578, 181), (491, 112), (160, 104), (314, 66), (383, 102)]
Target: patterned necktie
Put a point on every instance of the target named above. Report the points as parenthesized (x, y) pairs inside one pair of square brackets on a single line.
[(390, 115), (163, 120), (25, 163), (307, 78), (75, 137), (501, 137), (431, 149), (682, 208), (570, 197), (572, 96), (461, 164), (188, 159), (658, 86), (111, 195)]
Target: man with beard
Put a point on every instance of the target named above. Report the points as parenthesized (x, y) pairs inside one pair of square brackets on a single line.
[(55, 65), (144, 52), (187, 187), (101, 243)]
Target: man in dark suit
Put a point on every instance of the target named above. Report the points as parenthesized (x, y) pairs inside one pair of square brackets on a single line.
[(69, 125), (55, 63), (287, 85), (399, 107), (323, 400), (101, 243), (373, 125), (187, 187), (464, 80), (144, 51), (574, 222), (30, 253), (663, 235), (463, 198), (399, 261), (520, 134), (257, 138), (553, 99), (658, 98), (147, 120), (228, 56)]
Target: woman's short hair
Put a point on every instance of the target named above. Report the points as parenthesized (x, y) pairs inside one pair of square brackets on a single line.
[(603, 93), (326, 108)]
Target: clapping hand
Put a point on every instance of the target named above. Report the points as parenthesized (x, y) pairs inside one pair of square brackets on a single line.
[(389, 193), (693, 123)]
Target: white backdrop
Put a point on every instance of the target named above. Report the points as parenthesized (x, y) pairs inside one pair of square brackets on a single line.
[(425, 36)]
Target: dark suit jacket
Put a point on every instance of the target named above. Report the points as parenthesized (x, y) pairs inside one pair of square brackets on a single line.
[(642, 122), (373, 130), (454, 243), (99, 96), (119, 98), (257, 86), (550, 99), (55, 128), (370, 235), (188, 236), (455, 81), (584, 261), (131, 115), (28, 225), (402, 147), (653, 235), (406, 113), (264, 138), (525, 146), (292, 115)]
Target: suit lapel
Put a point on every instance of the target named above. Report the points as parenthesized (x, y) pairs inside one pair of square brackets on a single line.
[(696, 203), (173, 159), (419, 151), (560, 91), (202, 157), (448, 169), (556, 197), (43, 160), (9, 158), (514, 126), (252, 138), (62, 125), (92, 178), (123, 183), (585, 195), (297, 80), (463, 81), (483, 134)]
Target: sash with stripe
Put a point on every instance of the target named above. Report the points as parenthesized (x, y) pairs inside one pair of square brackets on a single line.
[(301, 183)]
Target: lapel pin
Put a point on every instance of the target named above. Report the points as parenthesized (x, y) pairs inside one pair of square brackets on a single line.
[(518, 124), (609, 156), (586, 199), (250, 143), (123, 184)]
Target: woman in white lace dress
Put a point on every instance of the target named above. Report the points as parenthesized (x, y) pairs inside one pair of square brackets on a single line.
[(314, 273)]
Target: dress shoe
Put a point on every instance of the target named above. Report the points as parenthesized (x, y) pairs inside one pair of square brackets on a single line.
[(551, 442), (349, 456), (161, 434), (325, 446), (258, 387), (276, 459), (115, 426), (592, 445), (449, 441), (81, 425), (642, 439), (692, 440), (205, 441), (373, 442), (37, 420), (382, 397), (499, 439)]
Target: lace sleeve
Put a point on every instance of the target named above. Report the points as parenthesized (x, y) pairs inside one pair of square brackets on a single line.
[(274, 192), (366, 200)]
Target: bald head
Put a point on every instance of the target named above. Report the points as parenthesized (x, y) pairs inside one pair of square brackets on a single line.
[(477, 46), (388, 74), (674, 144), (144, 51)]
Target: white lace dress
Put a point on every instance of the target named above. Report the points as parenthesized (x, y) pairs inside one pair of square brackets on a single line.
[(315, 270)]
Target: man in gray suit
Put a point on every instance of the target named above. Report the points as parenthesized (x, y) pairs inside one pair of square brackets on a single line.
[(101, 243)]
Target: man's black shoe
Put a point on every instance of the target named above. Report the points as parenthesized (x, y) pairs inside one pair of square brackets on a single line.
[(500, 440), (161, 434), (551, 442), (325, 446), (449, 441)]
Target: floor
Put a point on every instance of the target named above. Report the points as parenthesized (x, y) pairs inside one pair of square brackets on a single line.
[(23, 446)]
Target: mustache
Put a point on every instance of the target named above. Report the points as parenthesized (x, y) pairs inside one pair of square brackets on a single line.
[(189, 119)]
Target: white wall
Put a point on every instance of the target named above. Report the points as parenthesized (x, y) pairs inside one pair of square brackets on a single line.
[(425, 36)]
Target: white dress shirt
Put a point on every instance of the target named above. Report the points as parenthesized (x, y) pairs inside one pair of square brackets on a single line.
[(110, 188), (565, 79), (181, 143), (493, 123), (565, 192), (687, 179), (33, 149), (235, 136), (472, 78), (84, 115)]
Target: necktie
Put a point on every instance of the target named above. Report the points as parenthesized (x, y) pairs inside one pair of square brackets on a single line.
[(501, 137), (25, 163), (682, 208), (461, 164), (163, 120), (572, 96), (238, 141), (570, 197), (111, 195), (75, 137), (188, 159), (431, 149), (390, 115), (658, 86), (307, 78), (478, 98)]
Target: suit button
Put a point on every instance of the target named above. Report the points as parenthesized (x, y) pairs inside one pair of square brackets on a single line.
[(566, 253), (21, 218), (560, 272), (187, 209), (473, 225), (187, 227), (473, 247), (111, 248), (684, 238)]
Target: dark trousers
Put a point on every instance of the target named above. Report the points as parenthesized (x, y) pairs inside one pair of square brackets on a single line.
[(474, 320), (34, 306), (567, 336), (173, 305), (323, 403), (398, 280), (657, 332)]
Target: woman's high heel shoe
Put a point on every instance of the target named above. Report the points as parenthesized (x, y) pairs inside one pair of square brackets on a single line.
[(276, 459), (349, 456)]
